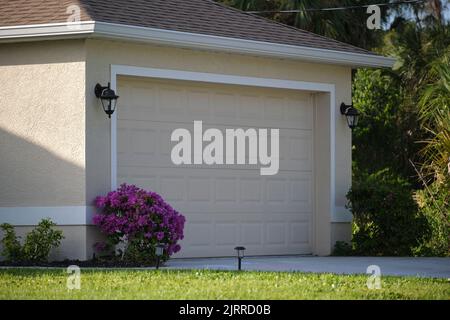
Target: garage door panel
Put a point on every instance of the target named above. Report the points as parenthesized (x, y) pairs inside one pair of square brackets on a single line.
[(252, 233), (139, 102), (198, 105), (200, 234), (225, 190), (226, 230), (224, 205), (299, 232), (225, 107), (232, 106), (226, 234), (243, 190), (143, 143), (170, 102), (276, 233)]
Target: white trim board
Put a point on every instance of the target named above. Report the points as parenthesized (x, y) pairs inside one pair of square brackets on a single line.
[(117, 70), (46, 31), (342, 214), (104, 30), (29, 216)]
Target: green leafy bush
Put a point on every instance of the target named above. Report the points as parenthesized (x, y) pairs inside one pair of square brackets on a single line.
[(385, 216), (12, 250), (434, 204), (388, 131), (41, 240), (37, 245), (342, 248)]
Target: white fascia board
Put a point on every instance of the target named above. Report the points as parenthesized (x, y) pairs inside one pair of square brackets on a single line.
[(234, 45), (46, 31), (113, 31)]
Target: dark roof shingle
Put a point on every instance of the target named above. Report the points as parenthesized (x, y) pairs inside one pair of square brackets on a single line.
[(194, 16)]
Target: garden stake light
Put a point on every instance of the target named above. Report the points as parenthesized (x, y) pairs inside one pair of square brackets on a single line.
[(240, 255), (159, 251)]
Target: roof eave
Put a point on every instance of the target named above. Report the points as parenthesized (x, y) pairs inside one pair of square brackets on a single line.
[(106, 30)]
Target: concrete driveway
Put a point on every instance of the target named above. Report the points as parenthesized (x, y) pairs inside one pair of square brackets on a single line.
[(423, 267)]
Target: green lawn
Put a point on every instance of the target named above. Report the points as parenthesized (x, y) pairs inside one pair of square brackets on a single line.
[(164, 284)]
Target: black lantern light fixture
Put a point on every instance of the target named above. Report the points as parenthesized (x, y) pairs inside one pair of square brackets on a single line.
[(240, 255), (108, 98), (351, 114), (159, 252)]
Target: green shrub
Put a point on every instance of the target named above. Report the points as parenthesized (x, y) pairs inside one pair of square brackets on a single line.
[(342, 248), (12, 250), (37, 245), (385, 216), (41, 240), (387, 133), (434, 204)]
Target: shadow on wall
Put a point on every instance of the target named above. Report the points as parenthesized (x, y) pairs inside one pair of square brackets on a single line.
[(33, 176)]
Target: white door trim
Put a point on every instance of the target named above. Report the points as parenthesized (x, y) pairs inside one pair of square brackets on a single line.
[(170, 74)]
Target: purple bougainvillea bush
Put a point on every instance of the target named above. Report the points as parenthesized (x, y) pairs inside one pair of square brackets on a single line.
[(139, 219)]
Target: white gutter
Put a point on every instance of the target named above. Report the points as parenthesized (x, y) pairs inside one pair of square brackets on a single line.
[(46, 31), (92, 29)]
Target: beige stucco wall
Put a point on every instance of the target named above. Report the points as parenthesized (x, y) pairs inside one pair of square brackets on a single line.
[(42, 122), (102, 54), (42, 133)]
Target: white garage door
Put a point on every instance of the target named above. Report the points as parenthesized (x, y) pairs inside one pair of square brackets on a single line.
[(224, 206)]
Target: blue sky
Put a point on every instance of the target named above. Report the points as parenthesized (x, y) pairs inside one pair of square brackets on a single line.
[(447, 13)]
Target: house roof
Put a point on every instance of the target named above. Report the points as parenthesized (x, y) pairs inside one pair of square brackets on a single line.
[(202, 17)]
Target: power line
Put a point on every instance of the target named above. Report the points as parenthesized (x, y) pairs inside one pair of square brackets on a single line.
[(338, 8)]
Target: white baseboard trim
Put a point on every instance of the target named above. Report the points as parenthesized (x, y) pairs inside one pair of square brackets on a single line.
[(29, 216), (341, 214), (82, 215)]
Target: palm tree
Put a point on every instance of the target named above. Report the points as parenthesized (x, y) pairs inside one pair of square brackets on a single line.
[(434, 113)]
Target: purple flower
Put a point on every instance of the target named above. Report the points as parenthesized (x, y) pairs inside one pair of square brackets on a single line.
[(101, 202), (148, 235), (159, 236), (131, 212)]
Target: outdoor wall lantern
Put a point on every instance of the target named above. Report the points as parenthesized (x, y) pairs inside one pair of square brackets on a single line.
[(108, 98), (240, 255), (159, 251), (351, 114)]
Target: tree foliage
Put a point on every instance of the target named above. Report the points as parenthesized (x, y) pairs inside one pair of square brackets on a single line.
[(386, 134), (344, 25), (434, 114)]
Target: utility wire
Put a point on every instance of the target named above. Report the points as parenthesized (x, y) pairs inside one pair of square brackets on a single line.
[(338, 8)]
